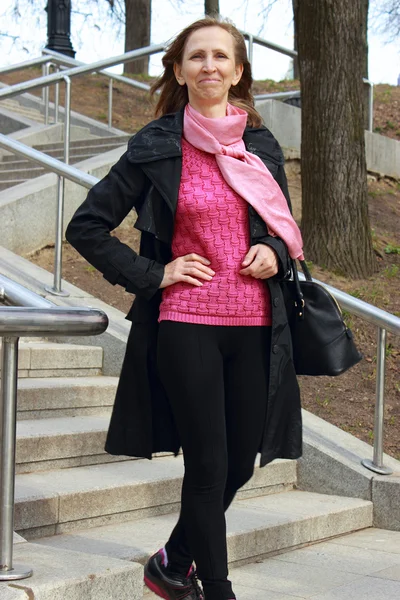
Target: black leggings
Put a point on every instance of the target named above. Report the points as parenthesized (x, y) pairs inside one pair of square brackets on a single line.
[(216, 379)]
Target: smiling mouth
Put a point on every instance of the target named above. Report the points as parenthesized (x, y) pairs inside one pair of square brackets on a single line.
[(209, 80)]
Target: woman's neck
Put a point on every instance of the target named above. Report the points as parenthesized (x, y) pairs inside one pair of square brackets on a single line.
[(212, 111)]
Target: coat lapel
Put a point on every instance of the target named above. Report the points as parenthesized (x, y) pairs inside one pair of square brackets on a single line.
[(157, 148)]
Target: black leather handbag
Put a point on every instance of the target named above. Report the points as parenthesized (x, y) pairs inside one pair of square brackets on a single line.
[(322, 343)]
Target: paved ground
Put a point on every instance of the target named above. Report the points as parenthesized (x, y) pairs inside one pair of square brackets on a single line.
[(359, 566)]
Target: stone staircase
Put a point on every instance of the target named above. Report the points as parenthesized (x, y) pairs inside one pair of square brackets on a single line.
[(15, 170), (24, 111), (72, 498)]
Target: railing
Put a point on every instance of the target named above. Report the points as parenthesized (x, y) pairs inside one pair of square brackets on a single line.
[(64, 171), (385, 322), (26, 313)]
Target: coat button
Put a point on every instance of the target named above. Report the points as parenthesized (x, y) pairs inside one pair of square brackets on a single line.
[(276, 301), (275, 349)]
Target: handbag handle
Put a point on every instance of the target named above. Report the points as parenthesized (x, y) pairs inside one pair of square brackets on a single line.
[(299, 302)]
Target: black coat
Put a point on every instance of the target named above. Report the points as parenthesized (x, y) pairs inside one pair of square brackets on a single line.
[(147, 179)]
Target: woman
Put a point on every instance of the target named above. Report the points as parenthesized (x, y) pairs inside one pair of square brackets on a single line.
[(208, 362)]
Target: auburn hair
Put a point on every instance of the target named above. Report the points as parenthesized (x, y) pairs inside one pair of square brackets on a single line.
[(173, 96)]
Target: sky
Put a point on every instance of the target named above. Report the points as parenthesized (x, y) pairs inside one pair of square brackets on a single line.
[(95, 37)]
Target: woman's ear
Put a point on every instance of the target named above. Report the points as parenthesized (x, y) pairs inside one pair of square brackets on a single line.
[(178, 74), (238, 74)]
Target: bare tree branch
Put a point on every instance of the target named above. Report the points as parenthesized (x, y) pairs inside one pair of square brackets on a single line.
[(385, 18)]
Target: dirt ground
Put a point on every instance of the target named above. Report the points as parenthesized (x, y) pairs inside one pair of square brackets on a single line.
[(347, 401)]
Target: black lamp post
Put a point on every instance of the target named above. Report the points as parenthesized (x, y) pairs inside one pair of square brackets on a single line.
[(59, 26)]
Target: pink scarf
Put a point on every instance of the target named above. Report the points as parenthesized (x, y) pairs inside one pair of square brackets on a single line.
[(243, 171)]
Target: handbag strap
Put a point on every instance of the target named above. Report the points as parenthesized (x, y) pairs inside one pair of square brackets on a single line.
[(299, 302)]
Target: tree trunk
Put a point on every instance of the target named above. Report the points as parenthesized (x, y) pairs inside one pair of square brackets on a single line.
[(364, 8), (211, 7), (335, 222), (296, 72), (137, 32)]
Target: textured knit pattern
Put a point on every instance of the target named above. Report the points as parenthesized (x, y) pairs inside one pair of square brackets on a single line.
[(212, 221)]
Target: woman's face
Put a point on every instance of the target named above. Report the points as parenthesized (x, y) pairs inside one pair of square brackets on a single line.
[(208, 67)]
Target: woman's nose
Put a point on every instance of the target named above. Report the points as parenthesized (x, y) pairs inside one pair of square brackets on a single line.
[(208, 64)]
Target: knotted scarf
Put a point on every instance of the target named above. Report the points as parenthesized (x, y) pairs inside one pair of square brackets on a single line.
[(243, 171)]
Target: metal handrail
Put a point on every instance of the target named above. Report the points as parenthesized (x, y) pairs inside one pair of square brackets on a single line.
[(35, 316), (64, 171), (39, 82), (277, 95), (57, 166), (384, 321), (62, 61), (297, 94), (33, 62), (256, 39)]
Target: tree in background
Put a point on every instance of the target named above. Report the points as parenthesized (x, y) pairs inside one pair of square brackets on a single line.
[(137, 32), (135, 18), (211, 7), (332, 49)]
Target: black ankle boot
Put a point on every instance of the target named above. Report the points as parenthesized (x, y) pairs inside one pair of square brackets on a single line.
[(169, 585)]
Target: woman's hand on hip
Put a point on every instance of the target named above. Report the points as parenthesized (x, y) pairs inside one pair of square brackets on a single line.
[(261, 262), (190, 268)]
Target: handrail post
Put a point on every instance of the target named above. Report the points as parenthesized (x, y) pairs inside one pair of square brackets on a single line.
[(8, 416), (56, 289), (56, 98), (46, 95), (370, 103), (371, 106), (376, 464), (250, 53), (110, 102)]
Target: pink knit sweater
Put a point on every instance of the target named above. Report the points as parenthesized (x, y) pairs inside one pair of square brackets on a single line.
[(212, 220)]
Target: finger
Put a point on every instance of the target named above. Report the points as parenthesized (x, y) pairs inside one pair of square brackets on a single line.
[(194, 256), (191, 280), (263, 273), (247, 271), (198, 265), (195, 272), (249, 256)]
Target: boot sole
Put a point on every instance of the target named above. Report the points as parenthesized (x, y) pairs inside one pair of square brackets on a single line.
[(155, 588)]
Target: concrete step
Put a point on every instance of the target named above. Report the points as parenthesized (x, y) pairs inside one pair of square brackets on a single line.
[(256, 527), (78, 153), (338, 569), (4, 185), (68, 575), (49, 359), (25, 111), (18, 174), (54, 397), (62, 442), (65, 500), (114, 140), (17, 165), (26, 166)]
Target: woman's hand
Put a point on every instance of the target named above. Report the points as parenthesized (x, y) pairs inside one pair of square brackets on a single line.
[(261, 262), (189, 268)]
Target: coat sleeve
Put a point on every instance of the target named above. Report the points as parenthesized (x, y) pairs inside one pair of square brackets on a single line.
[(277, 243), (105, 207)]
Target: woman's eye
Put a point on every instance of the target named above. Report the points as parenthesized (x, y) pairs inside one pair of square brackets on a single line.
[(221, 55)]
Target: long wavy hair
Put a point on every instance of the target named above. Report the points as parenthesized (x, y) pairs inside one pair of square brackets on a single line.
[(173, 96)]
